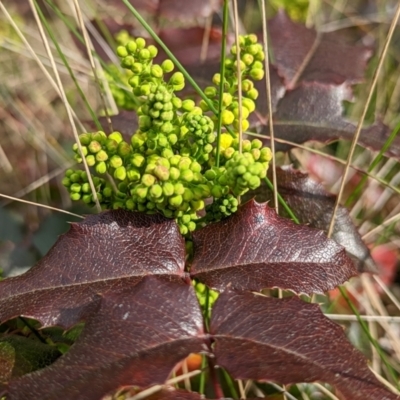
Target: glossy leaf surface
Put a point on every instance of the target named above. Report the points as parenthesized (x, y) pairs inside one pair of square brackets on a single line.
[(289, 341), (106, 252), (135, 338), (256, 249), (313, 206)]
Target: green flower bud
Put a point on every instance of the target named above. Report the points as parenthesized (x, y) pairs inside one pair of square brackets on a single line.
[(133, 174), (168, 189), (117, 136), (175, 201), (210, 175), (167, 153), (127, 62), (66, 182), (156, 191), (167, 66), (188, 105), (187, 175), (177, 79), (94, 146), (217, 191), (210, 91), (86, 188), (85, 138), (195, 166), (256, 153), (87, 198), (179, 188), (75, 196), (144, 123), (247, 59), (247, 85), (187, 195), (148, 180), (172, 138), (167, 115), (249, 104), (177, 102), (141, 192), (258, 65), (137, 140), (124, 149), (184, 163), (101, 156), (75, 177), (157, 71), (197, 205), (174, 173), (183, 230), (130, 205), (137, 160), (116, 161), (227, 117), (120, 173), (101, 167), (121, 51), (111, 146), (131, 47), (145, 90), (153, 51), (134, 81), (141, 43), (265, 154), (107, 192), (254, 182), (252, 94), (161, 172), (137, 69)]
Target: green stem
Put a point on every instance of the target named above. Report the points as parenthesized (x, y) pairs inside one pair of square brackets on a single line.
[(230, 384), (374, 163), (367, 332), (203, 375), (222, 75), (282, 202)]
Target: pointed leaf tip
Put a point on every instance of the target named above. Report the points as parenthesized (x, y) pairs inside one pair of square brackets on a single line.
[(256, 249), (106, 251)]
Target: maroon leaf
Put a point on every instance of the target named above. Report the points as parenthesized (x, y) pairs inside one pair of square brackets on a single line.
[(135, 338), (332, 62), (290, 341), (313, 111), (313, 206), (255, 249), (106, 252)]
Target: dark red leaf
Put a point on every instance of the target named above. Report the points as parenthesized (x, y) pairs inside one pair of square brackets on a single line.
[(255, 249), (332, 62), (20, 355), (290, 341), (135, 338), (106, 252), (313, 206), (313, 111), (170, 393)]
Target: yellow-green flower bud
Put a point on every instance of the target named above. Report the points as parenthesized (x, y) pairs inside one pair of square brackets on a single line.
[(177, 102), (227, 117), (133, 174), (174, 173), (156, 191), (120, 173), (115, 161), (144, 123), (167, 66), (252, 94), (121, 51), (157, 71), (101, 156), (249, 104), (94, 146), (168, 189), (75, 196), (131, 46), (188, 105), (175, 201), (179, 188), (141, 43), (85, 138), (101, 167), (153, 51), (177, 79), (148, 180), (210, 91), (187, 175), (161, 172)]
